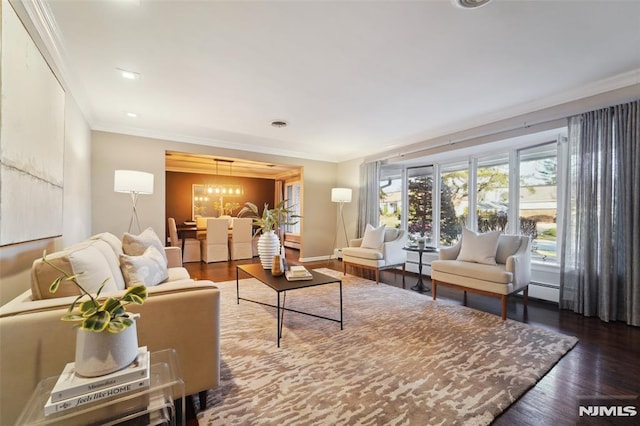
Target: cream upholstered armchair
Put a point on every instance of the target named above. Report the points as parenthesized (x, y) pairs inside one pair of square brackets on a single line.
[(379, 249), (491, 264)]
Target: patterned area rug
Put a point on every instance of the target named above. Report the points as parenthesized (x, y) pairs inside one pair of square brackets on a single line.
[(401, 359)]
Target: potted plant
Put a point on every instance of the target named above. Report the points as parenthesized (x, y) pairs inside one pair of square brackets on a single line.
[(266, 224), (106, 339)]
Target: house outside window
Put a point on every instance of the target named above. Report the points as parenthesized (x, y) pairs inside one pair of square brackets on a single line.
[(391, 197)]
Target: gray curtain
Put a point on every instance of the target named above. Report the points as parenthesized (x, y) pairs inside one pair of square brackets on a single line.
[(369, 197), (600, 273)]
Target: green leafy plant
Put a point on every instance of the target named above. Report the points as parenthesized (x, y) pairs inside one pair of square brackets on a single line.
[(95, 314), (271, 219)]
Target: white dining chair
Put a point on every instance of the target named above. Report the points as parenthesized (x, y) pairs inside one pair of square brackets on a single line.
[(191, 251), (241, 238), (215, 246)]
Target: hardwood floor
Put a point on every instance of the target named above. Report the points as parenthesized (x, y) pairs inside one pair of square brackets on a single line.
[(605, 362)]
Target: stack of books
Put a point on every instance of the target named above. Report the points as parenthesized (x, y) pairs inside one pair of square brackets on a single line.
[(298, 272), (72, 390)]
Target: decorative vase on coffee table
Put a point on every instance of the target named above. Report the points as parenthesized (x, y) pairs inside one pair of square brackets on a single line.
[(268, 246), (100, 353)]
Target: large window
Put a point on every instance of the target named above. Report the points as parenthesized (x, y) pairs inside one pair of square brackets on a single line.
[(454, 201), (391, 197), (513, 188), (420, 203), (539, 198)]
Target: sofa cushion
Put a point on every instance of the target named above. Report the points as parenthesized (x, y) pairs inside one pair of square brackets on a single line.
[(492, 273), (84, 260), (113, 241), (149, 269), (112, 260), (373, 237), (479, 248), (136, 245), (363, 253)]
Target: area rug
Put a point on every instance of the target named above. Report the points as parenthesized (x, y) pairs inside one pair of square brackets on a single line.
[(401, 359)]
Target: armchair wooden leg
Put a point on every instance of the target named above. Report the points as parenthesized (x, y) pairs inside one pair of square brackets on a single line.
[(464, 299), (377, 276), (403, 271), (434, 289), (504, 307), (344, 268)]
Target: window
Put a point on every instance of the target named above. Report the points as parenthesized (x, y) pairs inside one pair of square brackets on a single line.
[(391, 197), (539, 198), (292, 190), (420, 203), (492, 189), (454, 201)]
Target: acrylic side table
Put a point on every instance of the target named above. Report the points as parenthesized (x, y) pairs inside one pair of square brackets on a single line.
[(153, 405)]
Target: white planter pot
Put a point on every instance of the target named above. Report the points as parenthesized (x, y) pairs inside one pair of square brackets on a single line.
[(268, 246), (103, 353)]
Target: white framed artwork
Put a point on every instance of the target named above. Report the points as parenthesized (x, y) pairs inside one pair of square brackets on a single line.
[(31, 138)]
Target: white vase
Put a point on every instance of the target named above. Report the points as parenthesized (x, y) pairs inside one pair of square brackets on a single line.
[(268, 246), (103, 353)]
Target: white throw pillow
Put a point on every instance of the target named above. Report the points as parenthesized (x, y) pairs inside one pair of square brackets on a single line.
[(135, 245), (373, 237), (479, 248), (149, 269)]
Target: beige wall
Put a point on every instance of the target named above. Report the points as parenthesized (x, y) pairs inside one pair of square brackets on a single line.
[(349, 177), (111, 211), (16, 259)]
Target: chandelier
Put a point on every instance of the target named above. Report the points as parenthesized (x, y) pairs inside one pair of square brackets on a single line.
[(225, 189)]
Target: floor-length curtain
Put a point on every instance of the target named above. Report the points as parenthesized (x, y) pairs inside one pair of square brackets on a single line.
[(369, 197), (600, 273)]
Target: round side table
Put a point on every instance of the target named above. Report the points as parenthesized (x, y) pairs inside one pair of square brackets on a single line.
[(420, 287)]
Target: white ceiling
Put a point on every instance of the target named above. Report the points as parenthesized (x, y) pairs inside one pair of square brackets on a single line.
[(352, 78)]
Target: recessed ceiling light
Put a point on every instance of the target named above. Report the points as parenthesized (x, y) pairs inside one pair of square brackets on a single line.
[(279, 123), (131, 114), (129, 75)]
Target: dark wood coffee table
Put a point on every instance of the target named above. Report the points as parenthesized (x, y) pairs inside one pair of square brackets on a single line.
[(282, 285)]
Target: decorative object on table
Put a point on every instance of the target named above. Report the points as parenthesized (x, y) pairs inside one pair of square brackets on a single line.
[(135, 183), (72, 390), (267, 224), (298, 272), (341, 195), (277, 269), (106, 339)]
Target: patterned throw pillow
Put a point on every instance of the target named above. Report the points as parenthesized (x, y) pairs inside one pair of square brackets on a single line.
[(149, 269), (135, 245), (479, 248)]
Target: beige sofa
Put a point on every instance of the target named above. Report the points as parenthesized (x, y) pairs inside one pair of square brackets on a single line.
[(180, 313)]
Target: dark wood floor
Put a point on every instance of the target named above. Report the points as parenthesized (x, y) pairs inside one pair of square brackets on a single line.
[(605, 362)]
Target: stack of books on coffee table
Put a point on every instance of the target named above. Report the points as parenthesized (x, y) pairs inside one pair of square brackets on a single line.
[(297, 273), (72, 390)]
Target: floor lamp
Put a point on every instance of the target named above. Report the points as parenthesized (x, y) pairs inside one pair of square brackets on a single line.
[(134, 183), (341, 195)]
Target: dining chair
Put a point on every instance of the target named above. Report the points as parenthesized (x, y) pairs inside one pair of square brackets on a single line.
[(241, 238), (191, 245), (215, 246)]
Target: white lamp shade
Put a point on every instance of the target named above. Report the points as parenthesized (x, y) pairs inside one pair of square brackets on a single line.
[(133, 181), (341, 195)]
